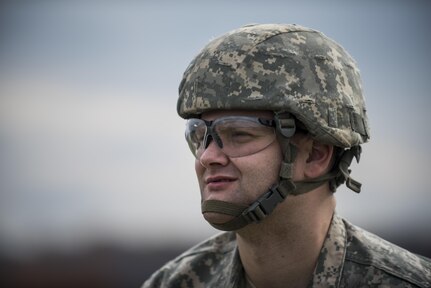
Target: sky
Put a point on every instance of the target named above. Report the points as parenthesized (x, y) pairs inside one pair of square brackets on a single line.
[(91, 146)]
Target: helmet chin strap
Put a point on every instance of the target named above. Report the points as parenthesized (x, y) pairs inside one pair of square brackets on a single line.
[(266, 203)]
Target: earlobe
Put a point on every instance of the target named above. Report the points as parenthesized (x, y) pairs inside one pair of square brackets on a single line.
[(319, 160)]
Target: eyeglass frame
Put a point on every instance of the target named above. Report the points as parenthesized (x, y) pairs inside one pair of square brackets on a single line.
[(210, 132)]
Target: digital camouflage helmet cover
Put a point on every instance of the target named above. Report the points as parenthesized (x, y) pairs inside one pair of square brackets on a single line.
[(298, 73)]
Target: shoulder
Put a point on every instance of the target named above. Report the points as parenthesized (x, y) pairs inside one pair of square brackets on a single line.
[(196, 266), (371, 259)]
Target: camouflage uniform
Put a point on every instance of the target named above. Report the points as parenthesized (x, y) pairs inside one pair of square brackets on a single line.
[(350, 257)]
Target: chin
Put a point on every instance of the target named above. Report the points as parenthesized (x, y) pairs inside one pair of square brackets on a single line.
[(217, 218)]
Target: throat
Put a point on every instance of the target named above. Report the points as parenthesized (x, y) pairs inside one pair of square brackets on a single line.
[(281, 253), (278, 264)]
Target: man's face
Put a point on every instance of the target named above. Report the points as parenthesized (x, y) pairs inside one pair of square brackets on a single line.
[(239, 180)]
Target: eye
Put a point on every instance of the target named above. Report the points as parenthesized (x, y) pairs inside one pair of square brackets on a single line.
[(241, 135)]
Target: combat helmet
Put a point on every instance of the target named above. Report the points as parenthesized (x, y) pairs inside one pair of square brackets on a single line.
[(304, 77)]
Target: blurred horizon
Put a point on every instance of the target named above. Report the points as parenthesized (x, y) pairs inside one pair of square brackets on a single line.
[(92, 148)]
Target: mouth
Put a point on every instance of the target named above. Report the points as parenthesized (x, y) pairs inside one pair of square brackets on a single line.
[(219, 179)]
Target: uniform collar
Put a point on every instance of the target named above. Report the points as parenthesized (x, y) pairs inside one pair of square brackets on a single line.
[(331, 259)]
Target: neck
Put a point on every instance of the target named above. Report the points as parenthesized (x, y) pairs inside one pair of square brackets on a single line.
[(282, 251)]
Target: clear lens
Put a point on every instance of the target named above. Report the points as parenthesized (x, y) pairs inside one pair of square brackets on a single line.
[(236, 136)]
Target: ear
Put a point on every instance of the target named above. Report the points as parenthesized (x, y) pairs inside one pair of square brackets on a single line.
[(319, 160)]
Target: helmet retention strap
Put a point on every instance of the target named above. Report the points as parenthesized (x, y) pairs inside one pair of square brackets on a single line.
[(265, 204)]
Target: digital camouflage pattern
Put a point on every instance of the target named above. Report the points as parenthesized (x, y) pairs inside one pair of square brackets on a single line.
[(280, 67), (350, 257)]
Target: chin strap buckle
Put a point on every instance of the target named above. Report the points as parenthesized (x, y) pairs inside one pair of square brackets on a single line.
[(263, 206)]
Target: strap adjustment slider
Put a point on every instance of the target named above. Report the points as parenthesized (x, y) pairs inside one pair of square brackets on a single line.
[(263, 206)]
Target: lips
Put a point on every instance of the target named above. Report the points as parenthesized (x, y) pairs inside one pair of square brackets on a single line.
[(219, 179)]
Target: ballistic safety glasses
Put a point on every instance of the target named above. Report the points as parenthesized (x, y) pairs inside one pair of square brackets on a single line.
[(236, 136)]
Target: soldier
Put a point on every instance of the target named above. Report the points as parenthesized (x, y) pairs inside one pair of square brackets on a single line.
[(275, 115)]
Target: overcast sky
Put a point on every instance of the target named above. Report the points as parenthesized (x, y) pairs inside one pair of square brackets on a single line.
[(91, 146)]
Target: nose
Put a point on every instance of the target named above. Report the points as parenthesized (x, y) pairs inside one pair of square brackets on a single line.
[(213, 155)]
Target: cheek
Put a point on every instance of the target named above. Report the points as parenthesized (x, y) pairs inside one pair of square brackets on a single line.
[(199, 169), (271, 162), (260, 171), (268, 170)]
